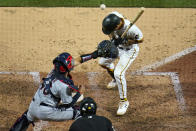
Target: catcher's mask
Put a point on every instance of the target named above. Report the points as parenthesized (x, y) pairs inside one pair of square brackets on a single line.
[(110, 23), (88, 107), (63, 63)]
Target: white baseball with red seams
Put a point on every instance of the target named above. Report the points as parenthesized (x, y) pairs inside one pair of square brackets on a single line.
[(102, 6)]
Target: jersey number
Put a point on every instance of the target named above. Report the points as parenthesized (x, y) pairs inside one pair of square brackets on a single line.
[(46, 85)]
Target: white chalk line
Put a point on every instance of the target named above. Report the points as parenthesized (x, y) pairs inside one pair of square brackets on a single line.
[(36, 77), (92, 76), (173, 75), (167, 60), (176, 85), (92, 81), (38, 125), (178, 91), (174, 79)]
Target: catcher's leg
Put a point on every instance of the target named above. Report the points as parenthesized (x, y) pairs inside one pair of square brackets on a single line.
[(43, 111), (21, 123)]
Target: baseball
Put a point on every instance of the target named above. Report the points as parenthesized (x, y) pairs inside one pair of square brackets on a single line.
[(142, 8), (102, 6)]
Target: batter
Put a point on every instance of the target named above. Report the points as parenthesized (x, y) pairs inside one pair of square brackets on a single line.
[(114, 24)]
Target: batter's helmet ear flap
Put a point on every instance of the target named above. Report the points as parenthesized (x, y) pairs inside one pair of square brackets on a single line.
[(109, 23), (121, 24)]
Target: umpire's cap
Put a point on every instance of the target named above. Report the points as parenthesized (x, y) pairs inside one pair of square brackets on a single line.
[(109, 23), (88, 106)]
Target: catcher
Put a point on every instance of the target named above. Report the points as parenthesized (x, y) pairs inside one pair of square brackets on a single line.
[(53, 100)]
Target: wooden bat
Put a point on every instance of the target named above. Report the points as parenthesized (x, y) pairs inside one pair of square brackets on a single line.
[(134, 21)]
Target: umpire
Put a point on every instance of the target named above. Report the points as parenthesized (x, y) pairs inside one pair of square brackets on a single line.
[(89, 121)]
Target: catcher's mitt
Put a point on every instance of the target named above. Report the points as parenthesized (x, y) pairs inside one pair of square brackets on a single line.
[(107, 49)]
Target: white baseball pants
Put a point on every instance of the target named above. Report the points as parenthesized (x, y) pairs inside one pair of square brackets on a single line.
[(126, 57), (37, 111)]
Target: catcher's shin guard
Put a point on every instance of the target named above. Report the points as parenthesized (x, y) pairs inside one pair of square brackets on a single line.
[(21, 123)]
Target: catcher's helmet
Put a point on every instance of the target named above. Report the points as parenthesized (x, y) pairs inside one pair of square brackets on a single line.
[(88, 107), (63, 63), (109, 23)]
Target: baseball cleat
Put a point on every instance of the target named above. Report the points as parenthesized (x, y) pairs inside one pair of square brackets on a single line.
[(123, 106), (112, 84)]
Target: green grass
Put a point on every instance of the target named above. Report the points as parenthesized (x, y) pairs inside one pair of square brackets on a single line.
[(96, 3)]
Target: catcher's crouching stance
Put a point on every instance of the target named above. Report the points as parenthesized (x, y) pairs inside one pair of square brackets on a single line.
[(53, 100)]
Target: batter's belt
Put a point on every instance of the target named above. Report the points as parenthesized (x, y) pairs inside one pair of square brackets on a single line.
[(124, 48)]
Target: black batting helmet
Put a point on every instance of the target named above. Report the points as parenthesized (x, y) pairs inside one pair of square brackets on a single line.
[(63, 63), (109, 23), (88, 107)]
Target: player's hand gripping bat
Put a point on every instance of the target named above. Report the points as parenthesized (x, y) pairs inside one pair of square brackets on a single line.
[(129, 26), (134, 21)]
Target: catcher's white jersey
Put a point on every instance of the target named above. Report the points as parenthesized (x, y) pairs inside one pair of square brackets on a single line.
[(58, 92), (127, 54)]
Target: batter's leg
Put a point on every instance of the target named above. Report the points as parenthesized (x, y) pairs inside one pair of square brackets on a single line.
[(126, 58), (107, 63), (110, 71)]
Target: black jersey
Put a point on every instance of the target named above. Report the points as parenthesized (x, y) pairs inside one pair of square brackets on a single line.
[(92, 123)]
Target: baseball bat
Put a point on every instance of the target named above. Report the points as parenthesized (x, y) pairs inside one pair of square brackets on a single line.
[(134, 21)]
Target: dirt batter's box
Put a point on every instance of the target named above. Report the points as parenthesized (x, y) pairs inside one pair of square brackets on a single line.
[(151, 96), (16, 91)]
